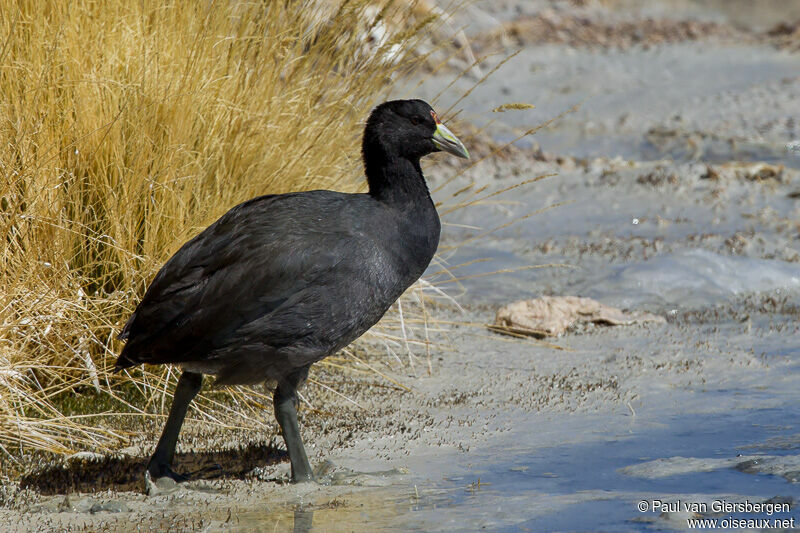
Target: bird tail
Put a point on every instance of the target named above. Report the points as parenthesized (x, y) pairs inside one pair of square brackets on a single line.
[(125, 359), (122, 363)]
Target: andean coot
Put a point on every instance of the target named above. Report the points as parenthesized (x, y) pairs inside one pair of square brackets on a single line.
[(282, 281)]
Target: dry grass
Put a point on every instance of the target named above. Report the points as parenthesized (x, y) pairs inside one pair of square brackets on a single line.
[(127, 127)]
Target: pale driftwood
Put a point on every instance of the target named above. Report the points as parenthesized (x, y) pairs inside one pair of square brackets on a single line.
[(550, 316)]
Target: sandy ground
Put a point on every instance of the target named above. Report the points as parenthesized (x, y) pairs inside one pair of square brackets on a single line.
[(667, 207)]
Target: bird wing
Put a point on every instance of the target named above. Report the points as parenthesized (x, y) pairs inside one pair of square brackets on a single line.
[(258, 257)]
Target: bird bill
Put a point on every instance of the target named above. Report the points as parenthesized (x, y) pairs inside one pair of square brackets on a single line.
[(445, 140)]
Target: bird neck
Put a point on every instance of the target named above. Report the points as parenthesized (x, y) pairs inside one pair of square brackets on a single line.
[(396, 180)]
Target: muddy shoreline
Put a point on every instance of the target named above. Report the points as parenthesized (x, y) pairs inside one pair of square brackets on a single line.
[(486, 396)]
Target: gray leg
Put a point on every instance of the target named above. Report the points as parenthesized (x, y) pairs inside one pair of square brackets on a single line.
[(285, 402), (161, 462)]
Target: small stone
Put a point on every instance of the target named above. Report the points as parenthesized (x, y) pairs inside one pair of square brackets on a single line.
[(109, 507)]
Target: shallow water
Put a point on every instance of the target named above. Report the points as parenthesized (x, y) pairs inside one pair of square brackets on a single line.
[(692, 278), (687, 103), (579, 486), (584, 490)]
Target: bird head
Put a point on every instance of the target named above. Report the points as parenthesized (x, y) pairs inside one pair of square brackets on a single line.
[(409, 129)]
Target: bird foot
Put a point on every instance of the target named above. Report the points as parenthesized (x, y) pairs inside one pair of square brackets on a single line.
[(160, 485), (308, 477), (169, 481), (158, 471), (163, 471)]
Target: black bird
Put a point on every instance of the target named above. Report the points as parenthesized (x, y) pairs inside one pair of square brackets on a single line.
[(282, 281)]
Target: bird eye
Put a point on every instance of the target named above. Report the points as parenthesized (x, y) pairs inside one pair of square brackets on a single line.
[(415, 120)]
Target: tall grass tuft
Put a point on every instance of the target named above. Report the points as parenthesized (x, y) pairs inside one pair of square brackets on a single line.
[(127, 127)]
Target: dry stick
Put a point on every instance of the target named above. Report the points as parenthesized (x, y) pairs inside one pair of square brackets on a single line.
[(524, 339), (405, 337), (201, 408), (505, 225), (495, 202), (165, 381), (383, 333), (504, 146), (139, 385), (127, 404), (463, 226), (463, 189), (236, 410), (471, 200), (440, 292), (392, 353), (517, 338), (421, 299), (56, 389), (491, 122), (337, 393), (381, 374), (344, 368), (433, 71), (474, 192), (522, 336), (305, 401), (459, 76), (458, 36), (60, 422), (506, 271), (389, 337), (5, 451), (460, 265), (483, 79), (208, 414), (496, 193)]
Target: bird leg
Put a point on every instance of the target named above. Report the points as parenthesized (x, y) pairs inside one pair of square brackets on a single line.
[(285, 402), (161, 462)]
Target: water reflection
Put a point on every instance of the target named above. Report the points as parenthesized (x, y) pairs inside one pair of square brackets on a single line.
[(303, 520)]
